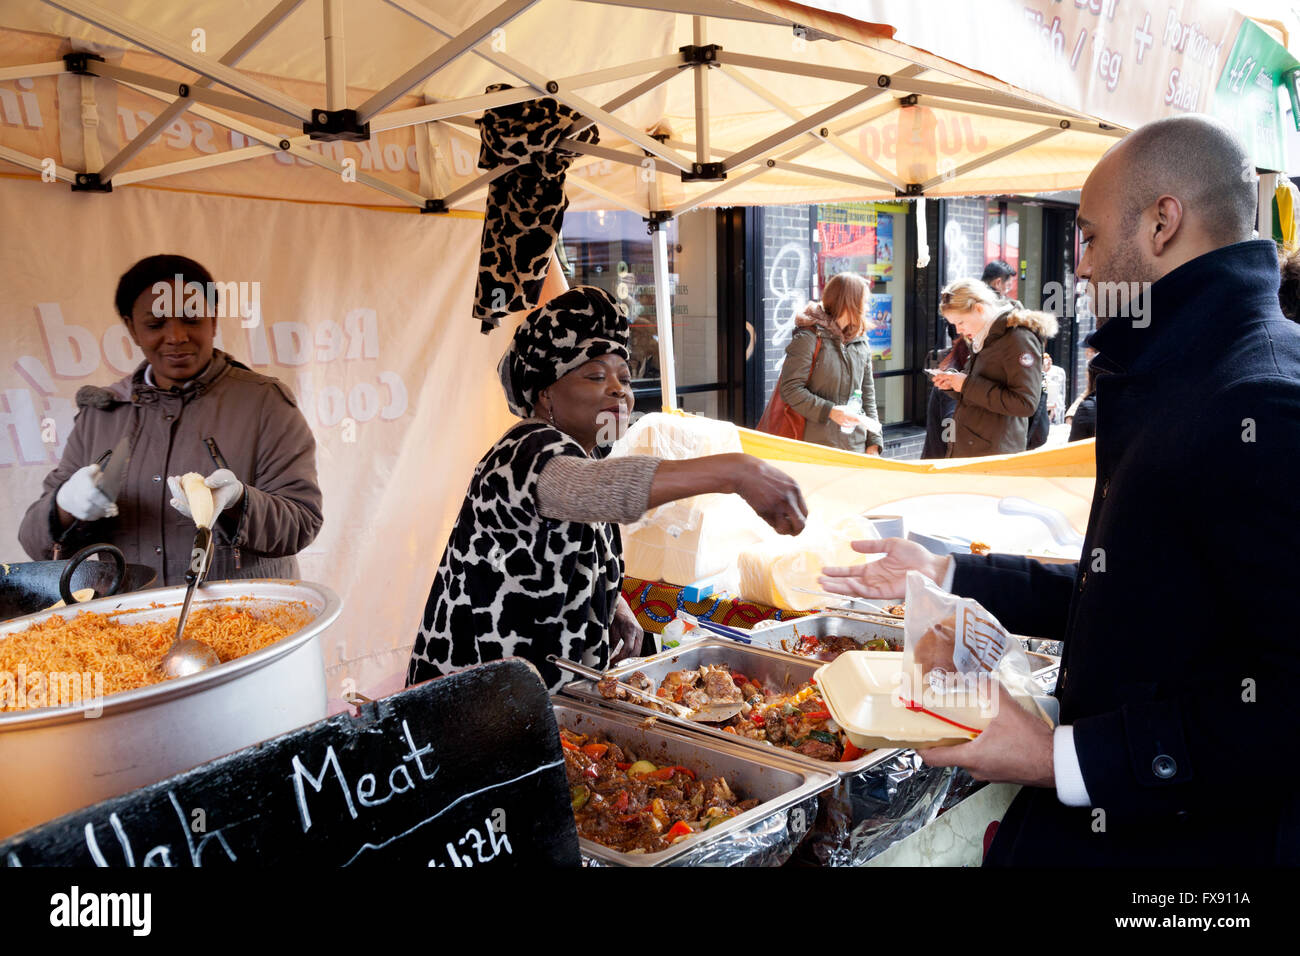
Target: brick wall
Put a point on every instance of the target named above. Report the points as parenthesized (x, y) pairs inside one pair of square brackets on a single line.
[(787, 276), (963, 238)]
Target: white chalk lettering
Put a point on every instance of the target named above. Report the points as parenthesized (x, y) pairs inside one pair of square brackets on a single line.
[(299, 772)]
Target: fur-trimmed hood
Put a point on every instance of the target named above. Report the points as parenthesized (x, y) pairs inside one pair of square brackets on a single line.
[(1042, 324), (814, 316)]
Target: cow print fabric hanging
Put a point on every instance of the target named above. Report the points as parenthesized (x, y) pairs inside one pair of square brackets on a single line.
[(525, 206)]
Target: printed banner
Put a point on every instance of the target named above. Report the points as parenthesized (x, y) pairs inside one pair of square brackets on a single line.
[(1125, 63), (362, 314)]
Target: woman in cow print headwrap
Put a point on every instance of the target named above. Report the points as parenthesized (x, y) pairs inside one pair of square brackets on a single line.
[(534, 564)]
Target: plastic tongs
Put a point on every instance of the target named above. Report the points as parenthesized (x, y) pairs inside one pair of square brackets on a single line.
[(722, 630)]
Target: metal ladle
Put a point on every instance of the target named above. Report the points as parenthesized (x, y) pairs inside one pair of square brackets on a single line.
[(188, 657)]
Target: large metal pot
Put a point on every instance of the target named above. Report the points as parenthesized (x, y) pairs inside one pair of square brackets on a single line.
[(56, 760)]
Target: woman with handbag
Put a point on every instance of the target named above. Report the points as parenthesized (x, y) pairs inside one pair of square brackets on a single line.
[(827, 360)]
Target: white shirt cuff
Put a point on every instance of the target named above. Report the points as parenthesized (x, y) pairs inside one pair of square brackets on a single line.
[(1070, 789), (952, 573)]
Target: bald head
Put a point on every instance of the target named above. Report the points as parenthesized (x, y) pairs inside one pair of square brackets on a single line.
[(1196, 159)]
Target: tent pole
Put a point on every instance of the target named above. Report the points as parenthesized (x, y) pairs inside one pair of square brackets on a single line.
[(1031, 119), (833, 176), (474, 185), (701, 98), (759, 151), (832, 139), (538, 82), (228, 101), (987, 158), (35, 163), (664, 316), (585, 184), (157, 43), (897, 82), (669, 61), (190, 165), (471, 36), (632, 93), (33, 70), (336, 61), (297, 147), (712, 194), (626, 130), (179, 106), (449, 108)]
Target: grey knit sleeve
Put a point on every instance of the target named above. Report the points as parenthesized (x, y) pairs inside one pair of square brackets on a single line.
[(579, 489)]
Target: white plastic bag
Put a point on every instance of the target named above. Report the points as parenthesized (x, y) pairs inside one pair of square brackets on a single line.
[(953, 651)]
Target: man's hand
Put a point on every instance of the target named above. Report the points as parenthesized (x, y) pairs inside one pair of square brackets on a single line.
[(1015, 748), (886, 578)]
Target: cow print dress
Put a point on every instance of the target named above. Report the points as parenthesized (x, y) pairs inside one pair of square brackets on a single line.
[(513, 583)]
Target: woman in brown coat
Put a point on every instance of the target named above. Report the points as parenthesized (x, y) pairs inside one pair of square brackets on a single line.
[(999, 390), (843, 363), (188, 407)]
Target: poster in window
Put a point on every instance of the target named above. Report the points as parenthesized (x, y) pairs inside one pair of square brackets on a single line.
[(883, 267), (880, 326)]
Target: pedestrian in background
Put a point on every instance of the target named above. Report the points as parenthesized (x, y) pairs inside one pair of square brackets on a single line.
[(828, 358), (999, 390)]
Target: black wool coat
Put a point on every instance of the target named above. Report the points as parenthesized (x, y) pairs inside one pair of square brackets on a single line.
[(1181, 666)]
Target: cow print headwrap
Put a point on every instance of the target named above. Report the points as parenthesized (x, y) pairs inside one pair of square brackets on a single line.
[(525, 206), (567, 332)]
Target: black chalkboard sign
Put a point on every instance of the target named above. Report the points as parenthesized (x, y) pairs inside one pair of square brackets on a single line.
[(461, 771)]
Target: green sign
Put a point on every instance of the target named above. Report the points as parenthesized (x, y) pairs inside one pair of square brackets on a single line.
[(1247, 95)]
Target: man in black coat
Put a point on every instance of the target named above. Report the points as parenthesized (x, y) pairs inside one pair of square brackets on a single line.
[(1182, 657)]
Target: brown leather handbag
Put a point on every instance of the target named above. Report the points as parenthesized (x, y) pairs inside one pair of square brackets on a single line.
[(779, 418)]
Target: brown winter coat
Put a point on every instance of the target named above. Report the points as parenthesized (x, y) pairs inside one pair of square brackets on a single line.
[(1004, 381), (813, 390), (261, 435)]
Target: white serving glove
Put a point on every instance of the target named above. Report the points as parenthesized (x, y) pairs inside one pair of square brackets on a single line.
[(226, 491), (80, 496)]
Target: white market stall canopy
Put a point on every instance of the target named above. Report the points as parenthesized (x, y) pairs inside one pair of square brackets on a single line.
[(715, 102), (732, 103)]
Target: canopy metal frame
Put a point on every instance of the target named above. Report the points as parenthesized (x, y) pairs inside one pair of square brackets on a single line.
[(700, 160)]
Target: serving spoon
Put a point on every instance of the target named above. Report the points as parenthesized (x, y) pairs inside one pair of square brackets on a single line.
[(712, 713), (189, 656)]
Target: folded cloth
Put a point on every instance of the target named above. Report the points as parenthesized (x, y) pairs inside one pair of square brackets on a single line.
[(525, 206)]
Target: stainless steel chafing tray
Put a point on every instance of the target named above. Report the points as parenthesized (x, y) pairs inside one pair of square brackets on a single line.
[(767, 833), (775, 669), (861, 629)]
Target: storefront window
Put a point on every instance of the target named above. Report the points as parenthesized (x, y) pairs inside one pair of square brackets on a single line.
[(613, 250), (869, 239), (1002, 241)]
